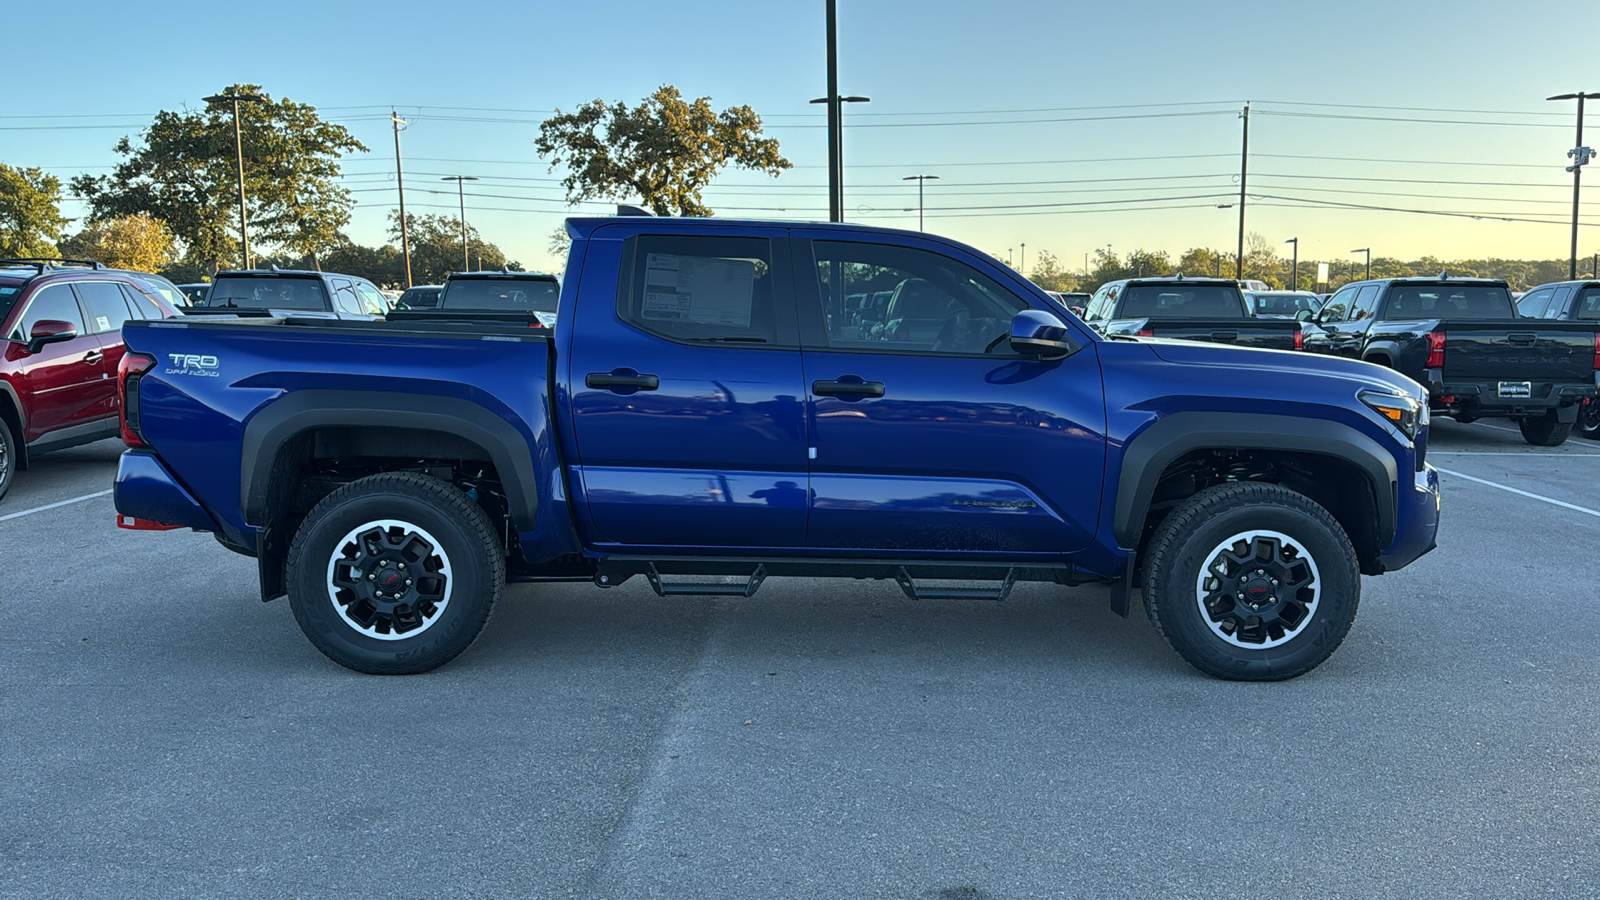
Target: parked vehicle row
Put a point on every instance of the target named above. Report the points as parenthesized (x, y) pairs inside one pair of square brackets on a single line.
[(713, 401), (1196, 309)]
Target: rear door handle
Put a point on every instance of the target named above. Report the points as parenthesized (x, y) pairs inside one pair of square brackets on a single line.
[(1226, 337), (93, 356), (854, 388), (621, 380)]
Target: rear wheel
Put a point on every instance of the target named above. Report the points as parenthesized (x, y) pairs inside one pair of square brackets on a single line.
[(1588, 423), (1252, 582), (1545, 430), (8, 457), (394, 574)]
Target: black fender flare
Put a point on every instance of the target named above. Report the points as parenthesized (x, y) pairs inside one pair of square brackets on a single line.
[(1384, 353), (303, 411), (1152, 450)]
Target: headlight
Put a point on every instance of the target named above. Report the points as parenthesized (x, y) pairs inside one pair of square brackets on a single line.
[(1403, 413)]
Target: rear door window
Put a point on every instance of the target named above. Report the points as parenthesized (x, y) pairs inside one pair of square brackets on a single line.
[(1533, 303), (105, 304), (1366, 301), (372, 302), (701, 288)]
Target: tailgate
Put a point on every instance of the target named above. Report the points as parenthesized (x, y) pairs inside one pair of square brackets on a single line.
[(1533, 350), (1268, 333)]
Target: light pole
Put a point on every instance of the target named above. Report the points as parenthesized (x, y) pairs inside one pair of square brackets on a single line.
[(919, 179), (1024, 260), (400, 179), (1294, 268), (1368, 252), (461, 196), (1244, 170), (1580, 156), (238, 149), (836, 147)]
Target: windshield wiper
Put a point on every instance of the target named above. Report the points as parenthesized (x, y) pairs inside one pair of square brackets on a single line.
[(730, 340)]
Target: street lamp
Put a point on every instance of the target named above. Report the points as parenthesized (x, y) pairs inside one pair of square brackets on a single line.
[(1368, 252), (1294, 268), (238, 149), (836, 146), (1580, 156), (461, 196), (919, 179), (1023, 259)]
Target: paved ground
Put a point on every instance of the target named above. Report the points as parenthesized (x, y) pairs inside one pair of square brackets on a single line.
[(163, 733)]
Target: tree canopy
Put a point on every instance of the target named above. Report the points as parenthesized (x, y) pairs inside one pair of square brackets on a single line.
[(436, 248), (30, 213), (663, 152), (139, 242), (183, 172)]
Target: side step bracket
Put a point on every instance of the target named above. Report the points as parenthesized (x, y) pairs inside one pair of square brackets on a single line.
[(909, 585)]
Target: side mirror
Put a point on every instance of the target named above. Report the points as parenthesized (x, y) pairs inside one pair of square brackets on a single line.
[(1303, 315), (50, 331), (1035, 332)]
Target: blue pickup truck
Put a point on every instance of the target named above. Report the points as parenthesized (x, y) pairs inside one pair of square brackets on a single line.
[(707, 406)]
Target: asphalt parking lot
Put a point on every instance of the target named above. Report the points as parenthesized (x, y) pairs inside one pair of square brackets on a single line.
[(164, 733)]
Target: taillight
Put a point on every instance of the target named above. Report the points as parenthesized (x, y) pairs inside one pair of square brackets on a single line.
[(129, 371), (1299, 339), (1435, 350), (1146, 332)]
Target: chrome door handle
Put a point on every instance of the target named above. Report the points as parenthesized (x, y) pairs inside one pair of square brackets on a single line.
[(93, 356)]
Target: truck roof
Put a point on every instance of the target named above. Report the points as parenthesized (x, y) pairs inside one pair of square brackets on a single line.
[(582, 226), (1433, 279), (501, 273)]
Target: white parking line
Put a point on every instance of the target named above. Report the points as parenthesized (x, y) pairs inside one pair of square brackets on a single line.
[(1561, 503), (37, 509), (1432, 453)]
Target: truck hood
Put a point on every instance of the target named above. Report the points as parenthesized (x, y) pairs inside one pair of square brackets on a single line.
[(1268, 362)]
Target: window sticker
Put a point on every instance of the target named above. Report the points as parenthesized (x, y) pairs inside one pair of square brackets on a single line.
[(103, 322), (698, 289)]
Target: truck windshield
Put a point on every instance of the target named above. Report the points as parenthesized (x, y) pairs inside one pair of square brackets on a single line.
[(1182, 301), (267, 293), (1449, 301), (511, 295)]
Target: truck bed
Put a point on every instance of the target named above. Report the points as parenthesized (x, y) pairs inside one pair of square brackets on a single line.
[(1266, 334)]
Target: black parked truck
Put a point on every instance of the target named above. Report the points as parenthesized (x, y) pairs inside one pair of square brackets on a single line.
[(1463, 340), (1569, 301), (1191, 309)]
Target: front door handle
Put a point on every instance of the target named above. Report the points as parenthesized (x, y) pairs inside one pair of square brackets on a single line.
[(621, 381), (93, 356), (853, 388)]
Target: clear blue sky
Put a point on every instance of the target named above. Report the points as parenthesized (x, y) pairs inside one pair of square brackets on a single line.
[(1008, 63)]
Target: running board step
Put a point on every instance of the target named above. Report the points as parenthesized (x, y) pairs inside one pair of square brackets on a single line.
[(997, 594), (705, 588)]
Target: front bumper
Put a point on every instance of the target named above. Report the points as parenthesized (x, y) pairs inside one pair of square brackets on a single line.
[(1416, 521), (145, 490)]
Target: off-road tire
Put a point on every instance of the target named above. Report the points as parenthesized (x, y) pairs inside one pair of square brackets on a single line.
[(1188, 540), (1588, 424), (1545, 430), (403, 507)]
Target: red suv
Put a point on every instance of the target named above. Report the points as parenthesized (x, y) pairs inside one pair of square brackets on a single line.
[(60, 343)]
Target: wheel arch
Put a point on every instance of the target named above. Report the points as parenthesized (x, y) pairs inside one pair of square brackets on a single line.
[(11, 410), (274, 435), (1149, 455)]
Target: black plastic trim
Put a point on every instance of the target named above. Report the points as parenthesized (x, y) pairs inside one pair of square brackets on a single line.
[(1148, 455), (75, 435)]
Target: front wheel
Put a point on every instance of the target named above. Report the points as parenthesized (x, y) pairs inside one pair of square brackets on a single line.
[(1252, 582), (1588, 423), (394, 574), (1545, 431), (8, 457)]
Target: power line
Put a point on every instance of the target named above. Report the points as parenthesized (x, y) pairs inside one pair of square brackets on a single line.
[(1309, 115)]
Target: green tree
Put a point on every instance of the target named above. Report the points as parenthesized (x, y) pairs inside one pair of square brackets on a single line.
[(183, 172), (1202, 262), (663, 152), (436, 247), (1048, 273), (30, 213), (384, 266), (139, 242)]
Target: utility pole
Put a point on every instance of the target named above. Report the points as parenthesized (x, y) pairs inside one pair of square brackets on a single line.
[(919, 179), (1294, 268), (238, 149), (400, 178), (835, 175), (1244, 170), (466, 263), (1368, 252), (1580, 156)]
